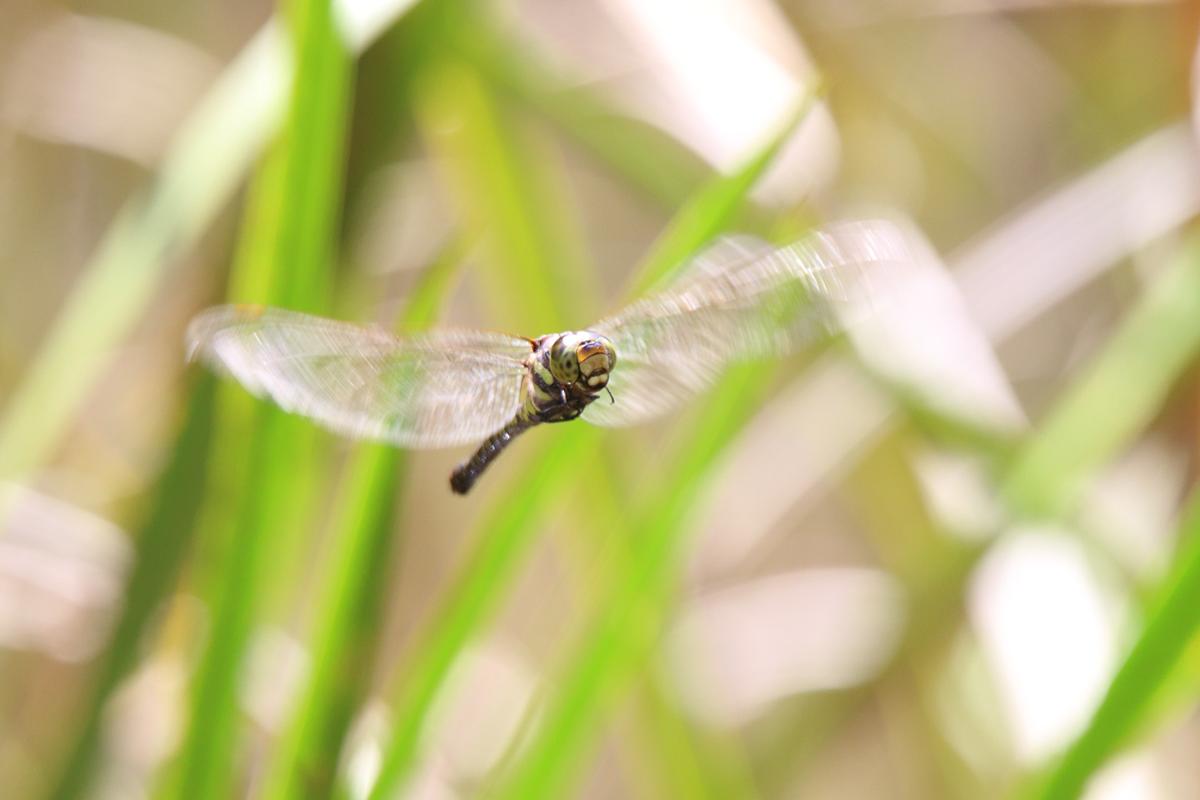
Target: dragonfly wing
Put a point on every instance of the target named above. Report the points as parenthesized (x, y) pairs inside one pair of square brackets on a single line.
[(644, 389), (725, 255), (741, 300), (641, 391), (432, 390)]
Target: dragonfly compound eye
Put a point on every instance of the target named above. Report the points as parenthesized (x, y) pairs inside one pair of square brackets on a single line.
[(564, 363), (596, 360)]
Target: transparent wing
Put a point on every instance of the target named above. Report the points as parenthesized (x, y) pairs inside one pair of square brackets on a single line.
[(741, 299), (432, 390), (723, 256)]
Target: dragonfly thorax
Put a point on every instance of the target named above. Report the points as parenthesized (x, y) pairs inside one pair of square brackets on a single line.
[(582, 357)]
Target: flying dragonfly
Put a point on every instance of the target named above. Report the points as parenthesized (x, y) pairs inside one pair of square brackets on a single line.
[(740, 299)]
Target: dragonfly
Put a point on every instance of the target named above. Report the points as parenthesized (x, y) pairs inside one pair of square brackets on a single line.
[(740, 299)]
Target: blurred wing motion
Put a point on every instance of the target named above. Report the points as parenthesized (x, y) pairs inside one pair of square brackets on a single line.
[(741, 299), (434, 390)]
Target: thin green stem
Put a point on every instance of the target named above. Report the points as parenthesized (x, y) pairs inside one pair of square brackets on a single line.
[(1171, 627), (162, 545), (350, 619), (284, 259)]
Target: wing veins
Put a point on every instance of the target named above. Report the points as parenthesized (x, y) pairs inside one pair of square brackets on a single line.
[(429, 391), (718, 310)]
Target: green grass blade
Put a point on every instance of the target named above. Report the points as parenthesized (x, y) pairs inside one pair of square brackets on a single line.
[(285, 259), (216, 146), (623, 638), (207, 758), (304, 203), (713, 207), (162, 544), (680, 759), (1117, 396), (207, 160), (1170, 629), (350, 619), (473, 600), (505, 196), (642, 155), (506, 538)]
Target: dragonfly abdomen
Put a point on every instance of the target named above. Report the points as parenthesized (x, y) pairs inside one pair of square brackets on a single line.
[(465, 475)]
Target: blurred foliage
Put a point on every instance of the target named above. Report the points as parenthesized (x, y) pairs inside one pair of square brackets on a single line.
[(260, 531), (285, 258)]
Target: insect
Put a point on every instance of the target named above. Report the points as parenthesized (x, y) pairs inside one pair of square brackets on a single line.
[(739, 299)]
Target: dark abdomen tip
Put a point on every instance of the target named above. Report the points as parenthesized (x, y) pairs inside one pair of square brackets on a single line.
[(461, 481)]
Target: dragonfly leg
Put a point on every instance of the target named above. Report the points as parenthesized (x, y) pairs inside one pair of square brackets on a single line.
[(572, 401)]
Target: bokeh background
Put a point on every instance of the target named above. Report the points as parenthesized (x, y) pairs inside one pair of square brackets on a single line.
[(949, 555)]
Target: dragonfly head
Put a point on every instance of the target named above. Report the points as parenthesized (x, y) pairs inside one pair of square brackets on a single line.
[(597, 357), (585, 357)]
